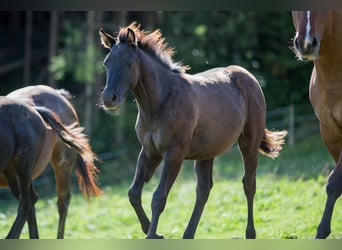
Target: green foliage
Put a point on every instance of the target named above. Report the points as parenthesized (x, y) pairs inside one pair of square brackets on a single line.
[(78, 58), (258, 41)]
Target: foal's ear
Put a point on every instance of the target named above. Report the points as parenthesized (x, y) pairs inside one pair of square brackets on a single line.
[(107, 40), (131, 37)]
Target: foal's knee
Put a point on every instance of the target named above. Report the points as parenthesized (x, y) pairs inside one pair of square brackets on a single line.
[(134, 197), (334, 186), (158, 202)]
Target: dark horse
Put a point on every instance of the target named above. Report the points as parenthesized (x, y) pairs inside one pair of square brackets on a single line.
[(38, 125), (184, 116), (319, 39)]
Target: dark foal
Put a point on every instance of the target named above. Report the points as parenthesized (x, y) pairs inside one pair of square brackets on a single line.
[(184, 116)]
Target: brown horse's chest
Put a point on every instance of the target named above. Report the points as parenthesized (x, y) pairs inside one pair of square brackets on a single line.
[(327, 103)]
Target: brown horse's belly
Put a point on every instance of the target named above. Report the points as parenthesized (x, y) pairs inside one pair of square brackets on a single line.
[(45, 154)]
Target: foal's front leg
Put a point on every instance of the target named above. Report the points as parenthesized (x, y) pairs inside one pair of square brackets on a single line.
[(146, 166), (172, 163)]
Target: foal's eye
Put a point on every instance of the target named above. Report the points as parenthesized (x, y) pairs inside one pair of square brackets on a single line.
[(129, 65)]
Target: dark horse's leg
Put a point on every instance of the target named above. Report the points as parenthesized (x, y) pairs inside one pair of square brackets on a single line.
[(334, 190), (250, 159), (146, 166), (172, 163), (204, 184), (23, 189), (63, 160), (15, 231)]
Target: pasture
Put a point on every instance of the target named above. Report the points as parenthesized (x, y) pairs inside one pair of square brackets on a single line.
[(288, 202)]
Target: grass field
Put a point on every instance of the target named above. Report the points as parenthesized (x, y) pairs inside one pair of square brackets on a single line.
[(288, 204)]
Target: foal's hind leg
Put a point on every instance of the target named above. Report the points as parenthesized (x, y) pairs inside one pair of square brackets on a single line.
[(204, 184), (146, 166), (63, 161), (249, 152)]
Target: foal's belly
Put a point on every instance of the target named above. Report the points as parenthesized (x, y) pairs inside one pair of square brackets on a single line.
[(201, 149)]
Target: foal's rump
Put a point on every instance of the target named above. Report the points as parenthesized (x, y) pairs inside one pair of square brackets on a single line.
[(229, 100), (231, 103)]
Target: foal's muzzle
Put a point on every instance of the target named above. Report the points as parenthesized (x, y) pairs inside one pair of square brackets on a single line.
[(110, 101)]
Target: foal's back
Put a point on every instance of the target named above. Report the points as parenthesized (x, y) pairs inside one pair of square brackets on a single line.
[(228, 100)]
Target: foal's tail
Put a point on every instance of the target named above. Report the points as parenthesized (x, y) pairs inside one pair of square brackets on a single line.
[(74, 137), (272, 142)]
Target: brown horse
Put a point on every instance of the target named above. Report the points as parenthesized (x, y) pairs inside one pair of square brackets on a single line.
[(184, 116), (41, 127), (319, 39)]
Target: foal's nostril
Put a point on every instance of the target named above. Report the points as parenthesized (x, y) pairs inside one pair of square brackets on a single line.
[(109, 99), (114, 97)]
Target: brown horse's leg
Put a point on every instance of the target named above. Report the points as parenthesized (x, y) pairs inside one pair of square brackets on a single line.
[(63, 162), (334, 191), (249, 186), (250, 160), (204, 184), (146, 166), (172, 164)]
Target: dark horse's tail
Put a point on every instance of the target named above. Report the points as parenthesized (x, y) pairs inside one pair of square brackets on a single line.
[(272, 142), (74, 137)]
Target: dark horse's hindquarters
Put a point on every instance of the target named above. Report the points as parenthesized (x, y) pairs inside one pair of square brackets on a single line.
[(184, 116), (43, 127)]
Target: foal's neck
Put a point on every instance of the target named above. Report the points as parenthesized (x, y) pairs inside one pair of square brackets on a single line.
[(153, 85)]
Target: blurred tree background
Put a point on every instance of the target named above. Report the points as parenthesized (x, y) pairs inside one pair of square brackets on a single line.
[(63, 49)]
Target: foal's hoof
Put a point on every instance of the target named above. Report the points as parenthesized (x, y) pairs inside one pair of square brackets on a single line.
[(155, 236), (322, 232), (250, 234)]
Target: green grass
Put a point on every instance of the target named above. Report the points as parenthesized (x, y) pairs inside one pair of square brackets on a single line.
[(288, 205)]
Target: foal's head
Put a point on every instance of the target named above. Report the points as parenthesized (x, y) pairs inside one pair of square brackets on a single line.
[(310, 27), (122, 67)]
